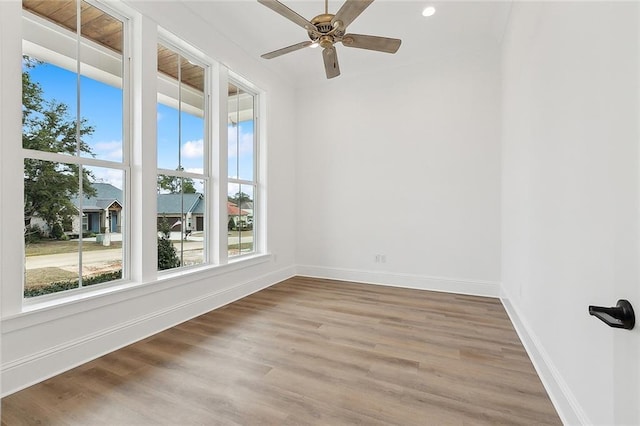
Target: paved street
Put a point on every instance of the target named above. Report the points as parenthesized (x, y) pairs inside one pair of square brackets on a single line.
[(63, 260), (192, 251)]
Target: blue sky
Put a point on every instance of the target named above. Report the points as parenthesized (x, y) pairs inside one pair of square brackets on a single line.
[(101, 105)]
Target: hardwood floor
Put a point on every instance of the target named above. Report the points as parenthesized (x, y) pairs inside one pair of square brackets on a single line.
[(308, 351)]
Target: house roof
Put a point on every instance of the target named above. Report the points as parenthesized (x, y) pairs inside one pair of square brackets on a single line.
[(168, 204), (172, 203), (101, 204), (246, 205), (106, 196), (233, 210)]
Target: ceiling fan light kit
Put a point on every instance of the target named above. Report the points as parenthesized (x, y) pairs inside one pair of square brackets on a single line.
[(325, 30)]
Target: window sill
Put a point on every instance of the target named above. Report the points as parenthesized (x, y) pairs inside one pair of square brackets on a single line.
[(199, 272), (40, 311)]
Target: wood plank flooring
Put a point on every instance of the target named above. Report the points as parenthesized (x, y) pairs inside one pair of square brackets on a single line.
[(307, 352)]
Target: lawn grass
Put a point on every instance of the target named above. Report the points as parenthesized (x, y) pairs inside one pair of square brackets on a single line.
[(41, 276), (242, 246), (45, 247)]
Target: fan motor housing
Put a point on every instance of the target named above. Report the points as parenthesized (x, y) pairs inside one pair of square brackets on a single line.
[(325, 27), (323, 22)]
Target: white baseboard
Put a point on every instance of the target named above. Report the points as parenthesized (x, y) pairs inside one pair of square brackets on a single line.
[(27, 371), (567, 406), (421, 282)]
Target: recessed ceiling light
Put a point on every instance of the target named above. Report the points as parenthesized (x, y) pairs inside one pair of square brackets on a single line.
[(428, 11)]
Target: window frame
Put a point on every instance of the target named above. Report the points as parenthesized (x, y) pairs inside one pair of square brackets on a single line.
[(139, 168), (195, 57), (31, 21), (238, 82)]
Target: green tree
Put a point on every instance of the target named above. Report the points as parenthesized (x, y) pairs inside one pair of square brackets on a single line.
[(239, 198), (50, 187), (176, 185), (167, 254)]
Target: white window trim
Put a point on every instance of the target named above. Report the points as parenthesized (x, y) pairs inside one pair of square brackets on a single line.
[(258, 248), (167, 86), (64, 54), (141, 178)]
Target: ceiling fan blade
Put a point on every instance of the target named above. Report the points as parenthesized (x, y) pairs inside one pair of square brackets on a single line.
[(287, 49), (331, 66), (380, 44), (283, 10), (349, 11)]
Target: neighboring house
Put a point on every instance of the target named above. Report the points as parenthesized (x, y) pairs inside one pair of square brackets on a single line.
[(247, 206), (103, 212), (171, 206), (238, 215), (100, 213), (105, 209)]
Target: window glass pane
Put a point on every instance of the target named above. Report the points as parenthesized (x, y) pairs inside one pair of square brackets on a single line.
[(194, 229), (240, 211), (181, 221), (51, 249), (241, 134), (192, 121), (168, 109), (73, 214), (50, 83), (103, 208), (101, 99), (58, 226), (181, 147), (61, 12), (49, 94), (181, 108)]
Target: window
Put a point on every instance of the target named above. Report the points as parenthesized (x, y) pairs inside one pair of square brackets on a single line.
[(76, 153), (74, 146), (242, 183), (182, 148)]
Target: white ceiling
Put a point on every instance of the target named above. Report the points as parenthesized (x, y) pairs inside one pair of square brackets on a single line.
[(456, 28)]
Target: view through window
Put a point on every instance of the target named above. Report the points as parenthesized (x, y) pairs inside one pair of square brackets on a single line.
[(182, 165), (73, 140), (75, 120), (241, 198)]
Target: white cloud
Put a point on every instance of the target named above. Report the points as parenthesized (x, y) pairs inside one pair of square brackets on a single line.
[(106, 146), (111, 150), (195, 170), (112, 176), (245, 146), (193, 149)]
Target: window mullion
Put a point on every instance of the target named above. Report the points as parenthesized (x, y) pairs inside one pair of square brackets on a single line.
[(143, 155)]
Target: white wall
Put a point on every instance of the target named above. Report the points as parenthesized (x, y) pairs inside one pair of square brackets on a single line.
[(38, 344), (405, 164), (570, 182)]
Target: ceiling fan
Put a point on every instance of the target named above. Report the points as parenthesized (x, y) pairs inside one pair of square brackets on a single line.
[(325, 30)]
